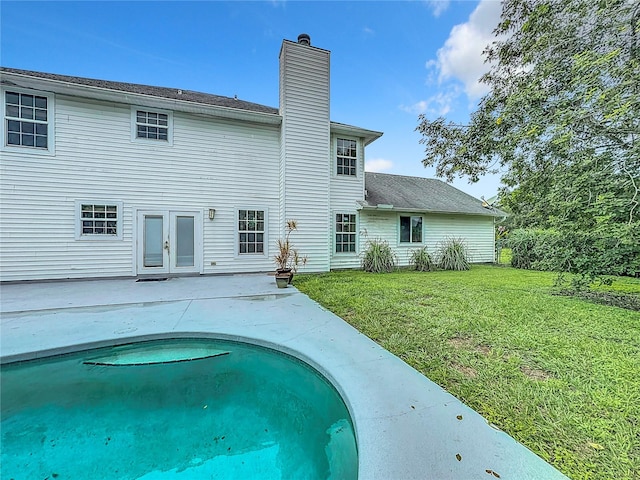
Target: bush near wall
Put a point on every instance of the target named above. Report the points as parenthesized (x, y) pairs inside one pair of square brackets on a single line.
[(587, 253)]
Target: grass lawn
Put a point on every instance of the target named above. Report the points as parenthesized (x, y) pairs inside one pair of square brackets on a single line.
[(561, 375)]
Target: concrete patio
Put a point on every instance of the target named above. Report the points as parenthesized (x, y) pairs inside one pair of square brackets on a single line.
[(407, 427)]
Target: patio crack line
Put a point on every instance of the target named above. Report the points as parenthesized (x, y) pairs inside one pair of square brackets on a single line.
[(416, 410), (182, 315)]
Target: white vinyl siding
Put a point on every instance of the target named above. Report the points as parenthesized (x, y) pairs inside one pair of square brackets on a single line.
[(476, 231), (204, 169), (306, 149)]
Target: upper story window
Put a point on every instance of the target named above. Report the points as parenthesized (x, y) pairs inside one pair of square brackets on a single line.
[(251, 231), (410, 229), (346, 157), (28, 122), (153, 125)]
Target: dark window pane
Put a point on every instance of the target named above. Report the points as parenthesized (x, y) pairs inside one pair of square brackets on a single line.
[(259, 248), (41, 102), (416, 229), (13, 98), (28, 127), (26, 112), (28, 140), (251, 248), (13, 139), (13, 126), (163, 136), (41, 115), (41, 142), (405, 229), (26, 100), (141, 117), (243, 248), (13, 111), (41, 128)]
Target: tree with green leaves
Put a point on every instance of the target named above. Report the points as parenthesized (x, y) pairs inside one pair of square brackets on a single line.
[(562, 121)]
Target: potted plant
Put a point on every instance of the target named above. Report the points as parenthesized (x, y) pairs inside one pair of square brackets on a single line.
[(288, 259)]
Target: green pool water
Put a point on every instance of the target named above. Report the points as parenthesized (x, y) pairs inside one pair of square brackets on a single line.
[(221, 410)]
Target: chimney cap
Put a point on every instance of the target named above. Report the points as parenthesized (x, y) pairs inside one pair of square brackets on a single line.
[(304, 39)]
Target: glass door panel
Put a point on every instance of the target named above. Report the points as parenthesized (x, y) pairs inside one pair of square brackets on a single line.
[(169, 241), (153, 250), (185, 245)]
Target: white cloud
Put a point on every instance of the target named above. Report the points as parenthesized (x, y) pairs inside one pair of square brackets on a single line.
[(378, 165), (368, 31), (438, 6), (461, 56), (435, 106)]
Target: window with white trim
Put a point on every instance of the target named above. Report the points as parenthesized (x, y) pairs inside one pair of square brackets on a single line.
[(98, 220), (27, 120), (346, 157), (345, 233), (410, 229), (151, 125), (251, 231)]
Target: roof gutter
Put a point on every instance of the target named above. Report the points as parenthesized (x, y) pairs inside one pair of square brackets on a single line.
[(391, 208), (140, 99)]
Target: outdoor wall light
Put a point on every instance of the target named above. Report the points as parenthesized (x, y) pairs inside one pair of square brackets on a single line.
[(212, 213)]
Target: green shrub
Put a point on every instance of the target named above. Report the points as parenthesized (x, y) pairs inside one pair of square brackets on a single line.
[(452, 255), (421, 260), (378, 257), (588, 254)]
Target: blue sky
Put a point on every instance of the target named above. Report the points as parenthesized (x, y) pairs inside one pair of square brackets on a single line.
[(390, 61)]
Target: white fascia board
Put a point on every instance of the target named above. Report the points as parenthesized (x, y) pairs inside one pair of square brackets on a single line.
[(349, 130), (129, 98), (385, 208)]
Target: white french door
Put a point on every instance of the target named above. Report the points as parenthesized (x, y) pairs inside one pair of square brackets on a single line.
[(169, 241)]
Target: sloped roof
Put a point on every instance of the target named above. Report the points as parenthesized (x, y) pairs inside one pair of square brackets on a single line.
[(416, 194), (162, 92)]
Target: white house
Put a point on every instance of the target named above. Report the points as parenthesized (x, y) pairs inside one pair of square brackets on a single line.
[(110, 179)]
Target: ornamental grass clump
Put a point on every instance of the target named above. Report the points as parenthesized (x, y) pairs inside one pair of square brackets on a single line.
[(421, 260), (452, 255), (378, 257)]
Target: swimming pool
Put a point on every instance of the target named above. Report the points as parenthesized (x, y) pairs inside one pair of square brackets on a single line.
[(173, 409)]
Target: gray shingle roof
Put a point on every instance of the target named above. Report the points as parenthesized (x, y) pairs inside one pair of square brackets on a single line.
[(163, 92), (420, 194)]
